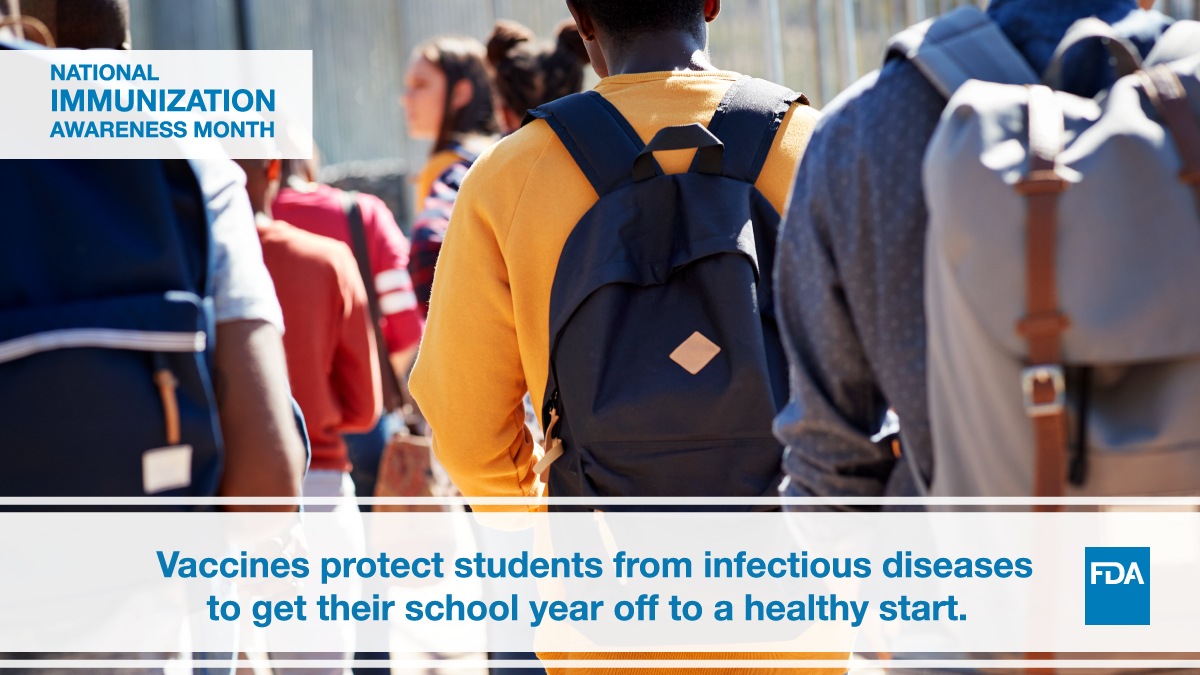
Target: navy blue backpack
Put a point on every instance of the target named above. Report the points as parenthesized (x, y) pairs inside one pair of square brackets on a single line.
[(666, 368), (106, 330)]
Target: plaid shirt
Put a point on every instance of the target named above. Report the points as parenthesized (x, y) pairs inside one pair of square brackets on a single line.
[(429, 230)]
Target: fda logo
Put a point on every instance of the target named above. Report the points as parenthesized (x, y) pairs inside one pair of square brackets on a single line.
[(1117, 586)]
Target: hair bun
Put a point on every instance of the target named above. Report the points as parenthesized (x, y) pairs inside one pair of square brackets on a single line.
[(569, 40), (506, 35)]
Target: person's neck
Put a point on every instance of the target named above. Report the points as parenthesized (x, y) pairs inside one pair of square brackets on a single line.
[(657, 52)]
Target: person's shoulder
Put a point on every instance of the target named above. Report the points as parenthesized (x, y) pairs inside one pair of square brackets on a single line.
[(313, 196), (379, 223), (798, 124), (371, 204), (311, 251), (891, 92), (514, 155), (803, 114)]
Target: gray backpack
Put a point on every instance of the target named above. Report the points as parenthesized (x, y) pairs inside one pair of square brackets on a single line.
[(1062, 266)]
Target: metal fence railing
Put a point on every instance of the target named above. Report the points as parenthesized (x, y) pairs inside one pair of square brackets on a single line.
[(360, 48)]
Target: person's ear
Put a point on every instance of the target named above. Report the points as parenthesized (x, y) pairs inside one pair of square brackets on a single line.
[(711, 9), (274, 169), (461, 95), (583, 21), (591, 42)]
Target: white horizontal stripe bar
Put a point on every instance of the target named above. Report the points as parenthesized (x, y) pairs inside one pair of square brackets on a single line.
[(605, 501), (392, 280), (457, 664), (106, 338), (400, 301)]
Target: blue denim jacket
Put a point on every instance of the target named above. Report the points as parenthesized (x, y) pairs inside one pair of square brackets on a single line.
[(850, 261)]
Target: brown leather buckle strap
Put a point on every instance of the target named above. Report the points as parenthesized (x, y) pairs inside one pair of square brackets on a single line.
[(1169, 97), (1043, 383), (167, 385)]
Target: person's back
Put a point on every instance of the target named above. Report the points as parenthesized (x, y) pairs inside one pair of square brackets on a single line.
[(332, 363), (322, 210), (487, 341), (851, 264), (332, 360), (487, 337)]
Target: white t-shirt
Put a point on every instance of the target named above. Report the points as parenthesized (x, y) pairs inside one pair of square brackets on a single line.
[(242, 286)]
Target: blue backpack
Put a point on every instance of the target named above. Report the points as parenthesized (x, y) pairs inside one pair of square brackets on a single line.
[(666, 368), (106, 331)]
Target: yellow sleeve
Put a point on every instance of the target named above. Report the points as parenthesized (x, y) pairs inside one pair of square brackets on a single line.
[(775, 181), (468, 377)]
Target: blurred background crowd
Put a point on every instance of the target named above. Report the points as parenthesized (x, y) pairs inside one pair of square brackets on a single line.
[(360, 51)]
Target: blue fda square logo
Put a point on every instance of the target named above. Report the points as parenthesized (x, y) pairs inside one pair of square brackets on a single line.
[(1117, 586)]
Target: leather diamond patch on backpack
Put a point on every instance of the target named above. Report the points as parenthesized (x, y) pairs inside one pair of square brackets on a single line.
[(695, 353)]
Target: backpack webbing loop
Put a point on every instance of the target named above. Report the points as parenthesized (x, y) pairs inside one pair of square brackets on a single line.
[(1169, 97), (710, 155)]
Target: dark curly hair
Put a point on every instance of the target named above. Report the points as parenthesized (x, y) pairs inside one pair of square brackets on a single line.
[(462, 58), (625, 18), (528, 73), (82, 24)]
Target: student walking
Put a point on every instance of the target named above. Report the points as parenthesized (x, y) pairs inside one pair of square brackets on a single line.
[(852, 267), (448, 100), (489, 333), (529, 73), (332, 360), (520, 235), (333, 363), (325, 210)]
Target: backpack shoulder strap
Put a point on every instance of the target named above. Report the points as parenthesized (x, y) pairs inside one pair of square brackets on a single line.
[(392, 398), (1179, 41), (958, 46), (747, 121), (599, 138)]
